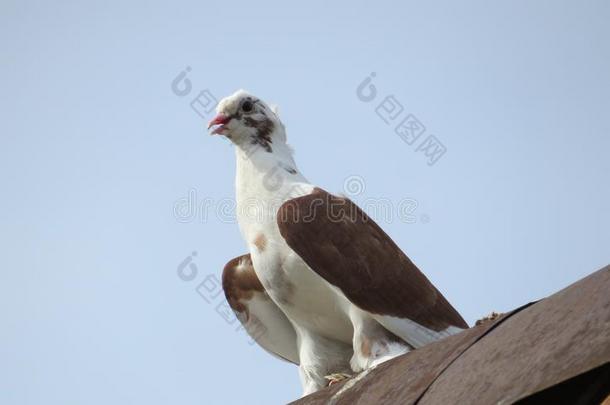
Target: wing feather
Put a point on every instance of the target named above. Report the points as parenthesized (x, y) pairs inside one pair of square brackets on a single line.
[(342, 244), (264, 321)]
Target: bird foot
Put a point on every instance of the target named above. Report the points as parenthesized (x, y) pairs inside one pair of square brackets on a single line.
[(337, 378)]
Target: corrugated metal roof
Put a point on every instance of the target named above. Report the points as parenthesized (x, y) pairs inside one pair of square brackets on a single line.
[(527, 351)]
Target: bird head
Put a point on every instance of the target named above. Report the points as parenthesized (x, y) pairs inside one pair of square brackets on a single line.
[(247, 121)]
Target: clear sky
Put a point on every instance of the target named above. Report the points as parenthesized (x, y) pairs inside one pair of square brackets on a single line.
[(99, 155)]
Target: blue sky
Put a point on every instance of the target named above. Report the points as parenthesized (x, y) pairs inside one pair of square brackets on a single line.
[(98, 156)]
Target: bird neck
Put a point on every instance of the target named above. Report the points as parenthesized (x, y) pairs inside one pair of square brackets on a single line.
[(267, 179)]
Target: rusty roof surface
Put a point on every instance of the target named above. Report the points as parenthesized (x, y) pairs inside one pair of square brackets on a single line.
[(523, 352)]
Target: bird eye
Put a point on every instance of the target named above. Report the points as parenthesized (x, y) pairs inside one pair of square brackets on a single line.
[(247, 106)]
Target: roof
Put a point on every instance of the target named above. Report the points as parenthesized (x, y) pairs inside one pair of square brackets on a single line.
[(556, 350)]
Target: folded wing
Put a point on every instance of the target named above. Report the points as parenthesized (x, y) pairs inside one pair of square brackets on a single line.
[(349, 250), (259, 315)]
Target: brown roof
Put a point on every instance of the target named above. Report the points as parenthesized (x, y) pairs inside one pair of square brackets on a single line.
[(556, 350)]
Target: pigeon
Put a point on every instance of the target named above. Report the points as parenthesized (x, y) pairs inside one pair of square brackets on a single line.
[(322, 285)]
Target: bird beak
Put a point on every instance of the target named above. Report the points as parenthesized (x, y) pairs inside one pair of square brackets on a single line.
[(221, 120)]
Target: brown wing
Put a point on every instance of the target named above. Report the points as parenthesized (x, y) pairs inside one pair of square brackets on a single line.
[(261, 317), (349, 250)]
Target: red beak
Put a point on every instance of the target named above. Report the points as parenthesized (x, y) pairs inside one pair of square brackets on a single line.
[(219, 120)]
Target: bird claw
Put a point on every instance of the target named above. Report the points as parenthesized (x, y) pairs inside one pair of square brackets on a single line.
[(337, 378)]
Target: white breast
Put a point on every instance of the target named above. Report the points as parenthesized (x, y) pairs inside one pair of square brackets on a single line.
[(263, 186)]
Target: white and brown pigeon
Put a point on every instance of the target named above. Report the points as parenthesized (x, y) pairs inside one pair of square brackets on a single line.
[(323, 286)]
